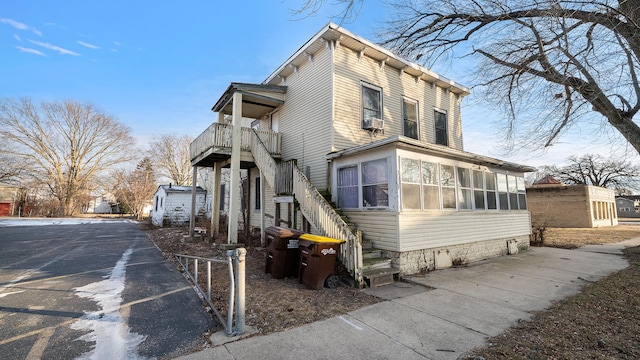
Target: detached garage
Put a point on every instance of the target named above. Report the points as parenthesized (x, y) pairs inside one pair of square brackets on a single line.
[(9, 197)]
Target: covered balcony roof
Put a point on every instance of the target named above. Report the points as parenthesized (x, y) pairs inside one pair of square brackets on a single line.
[(257, 99)]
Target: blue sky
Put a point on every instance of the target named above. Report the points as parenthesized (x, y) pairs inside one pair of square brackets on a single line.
[(159, 66)]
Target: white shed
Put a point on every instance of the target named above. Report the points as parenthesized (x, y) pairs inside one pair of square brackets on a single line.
[(172, 204)]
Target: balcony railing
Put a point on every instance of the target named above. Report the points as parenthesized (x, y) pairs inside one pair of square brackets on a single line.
[(218, 136)]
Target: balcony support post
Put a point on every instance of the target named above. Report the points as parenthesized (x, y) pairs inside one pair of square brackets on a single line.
[(215, 201), (235, 180)]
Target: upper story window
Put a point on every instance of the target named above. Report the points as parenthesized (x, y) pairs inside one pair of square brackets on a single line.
[(371, 102), (442, 135), (410, 118)]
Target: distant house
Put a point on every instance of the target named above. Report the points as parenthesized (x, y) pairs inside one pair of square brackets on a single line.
[(554, 204), (9, 199), (628, 206), (172, 205), (102, 204)]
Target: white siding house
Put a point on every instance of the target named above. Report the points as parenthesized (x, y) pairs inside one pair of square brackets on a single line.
[(380, 138), (172, 205)]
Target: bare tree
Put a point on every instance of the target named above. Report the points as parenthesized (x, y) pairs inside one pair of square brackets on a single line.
[(11, 166), (172, 158), (552, 64), (134, 189), (598, 171), (64, 144)]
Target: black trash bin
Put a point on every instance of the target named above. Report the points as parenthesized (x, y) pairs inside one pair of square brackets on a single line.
[(317, 261), (282, 252)]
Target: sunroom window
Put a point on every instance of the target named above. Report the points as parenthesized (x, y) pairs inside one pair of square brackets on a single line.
[(375, 184), (348, 187), (448, 183), (430, 188), (478, 189), (490, 185), (410, 184), (464, 189)]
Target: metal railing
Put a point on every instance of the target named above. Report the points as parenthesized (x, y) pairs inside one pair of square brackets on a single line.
[(191, 265)]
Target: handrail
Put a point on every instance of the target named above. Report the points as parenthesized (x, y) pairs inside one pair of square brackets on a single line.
[(235, 282), (317, 210), (313, 205)]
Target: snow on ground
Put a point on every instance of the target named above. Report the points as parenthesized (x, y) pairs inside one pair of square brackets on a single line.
[(107, 328), (6, 222)]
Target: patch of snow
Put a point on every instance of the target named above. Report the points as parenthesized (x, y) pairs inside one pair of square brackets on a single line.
[(112, 336), (7, 222)]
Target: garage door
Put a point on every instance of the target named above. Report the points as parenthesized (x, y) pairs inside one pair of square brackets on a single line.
[(5, 208)]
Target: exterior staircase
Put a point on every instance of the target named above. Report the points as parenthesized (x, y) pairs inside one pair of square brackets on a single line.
[(286, 177), (377, 269)]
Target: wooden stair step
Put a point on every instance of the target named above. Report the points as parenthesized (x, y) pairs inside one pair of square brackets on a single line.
[(382, 276)]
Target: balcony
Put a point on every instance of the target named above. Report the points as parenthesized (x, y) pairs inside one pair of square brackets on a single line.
[(214, 145)]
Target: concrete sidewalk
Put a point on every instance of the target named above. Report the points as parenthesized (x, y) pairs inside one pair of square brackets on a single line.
[(442, 314)]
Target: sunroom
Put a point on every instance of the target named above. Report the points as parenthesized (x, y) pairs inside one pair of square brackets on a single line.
[(407, 196)]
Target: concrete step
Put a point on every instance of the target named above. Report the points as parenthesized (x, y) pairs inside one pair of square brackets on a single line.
[(371, 253), (375, 263), (381, 276)]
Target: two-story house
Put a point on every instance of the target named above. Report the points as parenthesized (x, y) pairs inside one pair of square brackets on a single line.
[(380, 137)]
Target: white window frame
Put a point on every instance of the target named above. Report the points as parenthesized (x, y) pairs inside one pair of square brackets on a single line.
[(404, 117), (380, 111), (446, 126)]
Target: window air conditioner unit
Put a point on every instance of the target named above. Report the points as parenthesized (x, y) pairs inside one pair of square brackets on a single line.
[(374, 124)]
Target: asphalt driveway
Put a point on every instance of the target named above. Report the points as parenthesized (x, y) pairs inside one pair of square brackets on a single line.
[(92, 289)]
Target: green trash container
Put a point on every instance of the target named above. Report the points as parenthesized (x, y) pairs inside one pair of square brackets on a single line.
[(317, 261), (282, 252)]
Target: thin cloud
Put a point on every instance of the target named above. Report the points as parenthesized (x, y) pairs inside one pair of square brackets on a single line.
[(17, 38), (62, 51), (20, 26), (30, 51), (90, 46)]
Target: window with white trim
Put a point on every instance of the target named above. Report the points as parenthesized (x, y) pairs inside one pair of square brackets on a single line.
[(465, 201), (348, 187), (371, 102), (478, 190), (440, 120), (410, 118), (490, 185), (448, 184), (375, 184), (430, 187)]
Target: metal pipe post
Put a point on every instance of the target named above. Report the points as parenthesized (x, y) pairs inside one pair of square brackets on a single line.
[(229, 327), (240, 254)]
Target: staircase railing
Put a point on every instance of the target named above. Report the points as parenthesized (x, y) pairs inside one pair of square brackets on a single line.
[(315, 208)]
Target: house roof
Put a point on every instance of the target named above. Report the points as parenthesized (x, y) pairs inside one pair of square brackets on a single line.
[(257, 99), (177, 188), (432, 149), (337, 34), (548, 180)]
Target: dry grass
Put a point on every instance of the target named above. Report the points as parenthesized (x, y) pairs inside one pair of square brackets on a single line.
[(271, 304)]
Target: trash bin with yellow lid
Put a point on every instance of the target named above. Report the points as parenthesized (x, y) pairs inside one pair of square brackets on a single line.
[(282, 252), (318, 260)]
